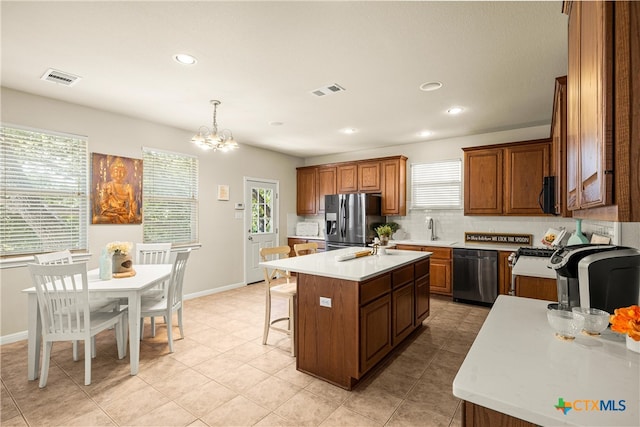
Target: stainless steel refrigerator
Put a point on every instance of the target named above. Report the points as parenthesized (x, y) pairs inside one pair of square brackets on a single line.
[(350, 219)]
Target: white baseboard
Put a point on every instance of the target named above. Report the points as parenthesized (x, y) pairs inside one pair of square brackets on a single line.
[(19, 336)]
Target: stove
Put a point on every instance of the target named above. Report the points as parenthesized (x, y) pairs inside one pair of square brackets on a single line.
[(535, 252)]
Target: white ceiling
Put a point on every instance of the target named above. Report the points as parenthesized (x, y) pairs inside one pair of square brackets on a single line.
[(498, 60)]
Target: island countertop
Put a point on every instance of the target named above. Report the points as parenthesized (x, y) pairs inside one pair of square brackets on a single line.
[(359, 269), (517, 367)]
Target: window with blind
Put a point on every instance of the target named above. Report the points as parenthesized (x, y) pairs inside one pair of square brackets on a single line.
[(170, 197), (44, 190), (437, 185)]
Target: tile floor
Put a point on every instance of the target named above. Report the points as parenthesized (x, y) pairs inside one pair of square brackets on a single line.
[(222, 375)]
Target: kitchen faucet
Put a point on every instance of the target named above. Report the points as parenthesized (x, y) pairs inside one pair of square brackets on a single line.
[(431, 227)]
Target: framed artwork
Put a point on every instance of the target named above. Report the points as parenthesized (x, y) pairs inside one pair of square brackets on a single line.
[(116, 189), (223, 192)]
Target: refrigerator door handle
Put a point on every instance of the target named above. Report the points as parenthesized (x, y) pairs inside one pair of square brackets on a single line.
[(343, 217)]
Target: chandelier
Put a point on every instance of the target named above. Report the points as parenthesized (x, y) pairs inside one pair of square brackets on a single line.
[(213, 139)]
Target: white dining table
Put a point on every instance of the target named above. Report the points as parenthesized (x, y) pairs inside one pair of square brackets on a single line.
[(147, 276)]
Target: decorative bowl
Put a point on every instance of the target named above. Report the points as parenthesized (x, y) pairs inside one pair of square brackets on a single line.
[(566, 324), (595, 320)]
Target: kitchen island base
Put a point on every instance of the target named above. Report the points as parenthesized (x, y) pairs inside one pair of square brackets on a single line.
[(478, 416), (346, 327)]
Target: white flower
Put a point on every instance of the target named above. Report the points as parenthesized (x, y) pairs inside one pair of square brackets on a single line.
[(119, 247)]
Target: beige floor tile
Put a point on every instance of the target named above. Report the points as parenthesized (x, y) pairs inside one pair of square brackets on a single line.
[(247, 351), (8, 408), (373, 403), (169, 414), (162, 368), (129, 407), (242, 378), (112, 389), (95, 417), (306, 409), (347, 418), (435, 398), (218, 366), (396, 384), (205, 398), (271, 393), (328, 391), (273, 420), (15, 422), (181, 383), (239, 411), (448, 359), (272, 361), (295, 377), (412, 414), (198, 423)]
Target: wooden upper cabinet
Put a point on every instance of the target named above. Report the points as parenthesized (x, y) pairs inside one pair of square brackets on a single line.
[(327, 184), (369, 177), (525, 167), (573, 109), (347, 178), (483, 180), (558, 163), (394, 186), (306, 193)]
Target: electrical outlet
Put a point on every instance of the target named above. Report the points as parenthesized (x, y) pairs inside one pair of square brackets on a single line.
[(325, 302)]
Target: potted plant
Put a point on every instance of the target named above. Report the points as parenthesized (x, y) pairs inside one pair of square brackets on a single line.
[(384, 233)]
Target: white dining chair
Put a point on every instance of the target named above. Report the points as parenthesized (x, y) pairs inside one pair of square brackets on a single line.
[(279, 284), (154, 253), (167, 305), (63, 300), (95, 304)]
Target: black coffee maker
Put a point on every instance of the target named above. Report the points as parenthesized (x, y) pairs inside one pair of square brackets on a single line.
[(565, 262)]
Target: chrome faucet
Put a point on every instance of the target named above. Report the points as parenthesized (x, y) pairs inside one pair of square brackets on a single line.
[(432, 228)]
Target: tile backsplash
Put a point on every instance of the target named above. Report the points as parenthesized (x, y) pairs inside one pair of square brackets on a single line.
[(452, 224)]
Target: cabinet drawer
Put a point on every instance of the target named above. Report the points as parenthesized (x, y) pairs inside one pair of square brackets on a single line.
[(402, 276), (374, 288), (422, 268), (439, 253)]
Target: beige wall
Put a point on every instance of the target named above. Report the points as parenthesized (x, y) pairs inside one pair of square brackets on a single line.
[(219, 262)]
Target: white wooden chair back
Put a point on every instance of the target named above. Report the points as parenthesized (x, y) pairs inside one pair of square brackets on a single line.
[(174, 294), (60, 257), (153, 253)]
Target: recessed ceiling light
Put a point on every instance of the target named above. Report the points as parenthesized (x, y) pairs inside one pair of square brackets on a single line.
[(349, 131), (276, 123), (455, 110), (185, 59), (430, 86), (425, 133)]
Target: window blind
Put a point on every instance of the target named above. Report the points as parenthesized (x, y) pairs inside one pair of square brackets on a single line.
[(437, 185), (170, 197), (44, 191)]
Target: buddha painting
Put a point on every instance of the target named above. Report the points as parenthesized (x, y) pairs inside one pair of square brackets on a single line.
[(116, 190)]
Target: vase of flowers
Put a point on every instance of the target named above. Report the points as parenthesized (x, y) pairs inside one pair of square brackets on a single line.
[(626, 320), (121, 253)]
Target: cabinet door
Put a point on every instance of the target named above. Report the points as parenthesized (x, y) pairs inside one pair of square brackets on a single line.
[(403, 312), (422, 298), (573, 107), (525, 168), (440, 273), (483, 182), (504, 273), (536, 287), (293, 241), (347, 178), (596, 143), (375, 332), (559, 145), (326, 184), (306, 191), (369, 177), (394, 187)]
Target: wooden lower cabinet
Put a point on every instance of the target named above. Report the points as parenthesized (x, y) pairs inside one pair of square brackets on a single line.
[(504, 273), (478, 416), (536, 287), (365, 322), (441, 262), (295, 241)]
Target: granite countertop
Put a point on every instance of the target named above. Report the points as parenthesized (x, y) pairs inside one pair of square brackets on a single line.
[(518, 367), (359, 269)]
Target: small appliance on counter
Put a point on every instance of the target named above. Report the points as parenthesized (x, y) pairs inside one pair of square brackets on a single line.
[(307, 228), (610, 276), (349, 219)]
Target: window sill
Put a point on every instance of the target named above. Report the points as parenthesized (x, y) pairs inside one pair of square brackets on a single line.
[(22, 261)]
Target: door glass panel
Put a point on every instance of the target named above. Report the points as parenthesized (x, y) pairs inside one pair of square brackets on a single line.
[(261, 210)]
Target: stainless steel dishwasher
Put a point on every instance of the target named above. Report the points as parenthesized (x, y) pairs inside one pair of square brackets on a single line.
[(475, 276)]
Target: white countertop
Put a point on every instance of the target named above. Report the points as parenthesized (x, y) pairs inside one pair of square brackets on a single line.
[(534, 267), (306, 237), (457, 244), (516, 366), (359, 269)]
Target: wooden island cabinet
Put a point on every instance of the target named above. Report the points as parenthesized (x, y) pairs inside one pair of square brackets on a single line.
[(386, 176), (350, 315), (440, 267)]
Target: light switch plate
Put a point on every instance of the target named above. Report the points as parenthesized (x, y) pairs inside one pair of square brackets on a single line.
[(325, 302)]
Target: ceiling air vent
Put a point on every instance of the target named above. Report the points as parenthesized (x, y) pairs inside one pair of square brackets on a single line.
[(60, 77), (328, 90)]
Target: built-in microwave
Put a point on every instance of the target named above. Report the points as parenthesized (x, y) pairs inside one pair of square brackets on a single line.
[(547, 198)]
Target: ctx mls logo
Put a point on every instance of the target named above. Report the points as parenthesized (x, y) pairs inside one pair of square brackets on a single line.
[(563, 406), (581, 405)]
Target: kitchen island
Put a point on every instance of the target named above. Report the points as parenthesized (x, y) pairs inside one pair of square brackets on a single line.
[(518, 373), (351, 314)]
